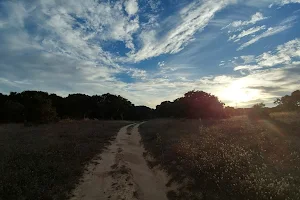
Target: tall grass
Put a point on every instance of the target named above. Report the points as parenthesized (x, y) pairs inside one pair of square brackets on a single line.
[(228, 159)]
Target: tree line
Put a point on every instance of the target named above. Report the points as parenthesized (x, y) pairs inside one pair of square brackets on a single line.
[(42, 107)]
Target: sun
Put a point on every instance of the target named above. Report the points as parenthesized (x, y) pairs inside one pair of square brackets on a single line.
[(237, 93)]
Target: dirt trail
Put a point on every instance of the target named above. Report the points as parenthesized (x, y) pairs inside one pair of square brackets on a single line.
[(122, 173)]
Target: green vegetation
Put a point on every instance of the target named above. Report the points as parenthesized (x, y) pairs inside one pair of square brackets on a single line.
[(234, 158), (47, 161)]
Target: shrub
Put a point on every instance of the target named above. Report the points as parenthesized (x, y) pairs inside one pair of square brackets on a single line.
[(258, 111)]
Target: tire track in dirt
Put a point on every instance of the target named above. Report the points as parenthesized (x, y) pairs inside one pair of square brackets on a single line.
[(122, 172)]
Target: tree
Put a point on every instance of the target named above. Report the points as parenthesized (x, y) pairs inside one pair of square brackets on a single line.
[(12, 111), (194, 104), (39, 110), (199, 104), (140, 113), (77, 106), (115, 107), (289, 102), (165, 109), (258, 111)]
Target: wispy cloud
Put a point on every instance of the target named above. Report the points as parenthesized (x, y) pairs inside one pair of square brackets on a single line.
[(271, 31), (284, 54), (237, 25), (193, 18), (247, 32), (284, 25), (284, 2)]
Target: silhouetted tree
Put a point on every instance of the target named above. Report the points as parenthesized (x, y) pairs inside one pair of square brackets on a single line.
[(289, 102), (12, 111), (140, 113), (39, 109), (115, 107), (165, 109), (194, 104), (77, 106)]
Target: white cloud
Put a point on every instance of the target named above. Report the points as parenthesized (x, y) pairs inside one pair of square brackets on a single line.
[(248, 59), (246, 67), (137, 73), (284, 54), (131, 7), (271, 31), (72, 30), (284, 2), (284, 25), (193, 18), (161, 64), (253, 20), (104, 21), (247, 32)]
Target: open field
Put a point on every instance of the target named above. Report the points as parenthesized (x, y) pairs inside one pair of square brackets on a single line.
[(47, 161), (228, 159), (292, 118)]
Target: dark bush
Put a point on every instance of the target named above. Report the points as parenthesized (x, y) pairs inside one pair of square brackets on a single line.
[(12, 111), (39, 110)]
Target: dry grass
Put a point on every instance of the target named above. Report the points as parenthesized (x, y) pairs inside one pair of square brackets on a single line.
[(47, 161), (227, 159), (287, 117)]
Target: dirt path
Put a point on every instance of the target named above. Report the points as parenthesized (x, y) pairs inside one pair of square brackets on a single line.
[(122, 173)]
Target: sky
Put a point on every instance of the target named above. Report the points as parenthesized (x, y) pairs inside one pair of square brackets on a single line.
[(150, 51)]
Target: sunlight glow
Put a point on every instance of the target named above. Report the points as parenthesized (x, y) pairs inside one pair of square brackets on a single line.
[(238, 92)]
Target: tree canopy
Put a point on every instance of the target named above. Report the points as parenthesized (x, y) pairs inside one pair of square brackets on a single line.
[(194, 104), (289, 102), (41, 107)]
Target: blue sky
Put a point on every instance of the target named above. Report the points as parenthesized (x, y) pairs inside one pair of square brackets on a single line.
[(150, 51)]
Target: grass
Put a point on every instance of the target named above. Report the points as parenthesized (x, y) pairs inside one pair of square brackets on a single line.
[(287, 117), (47, 161), (227, 159)]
